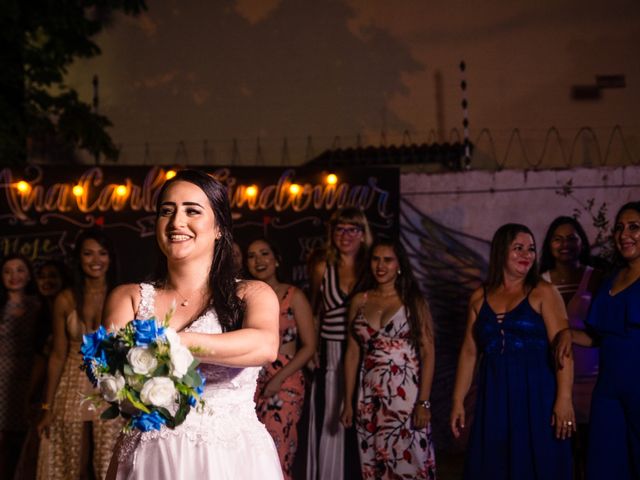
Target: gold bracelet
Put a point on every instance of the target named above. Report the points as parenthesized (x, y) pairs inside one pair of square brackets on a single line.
[(45, 406)]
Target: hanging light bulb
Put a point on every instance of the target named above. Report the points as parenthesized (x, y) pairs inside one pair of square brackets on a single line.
[(294, 188), (251, 191), (332, 179), (23, 187), (77, 190), (170, 174), (121, 190)]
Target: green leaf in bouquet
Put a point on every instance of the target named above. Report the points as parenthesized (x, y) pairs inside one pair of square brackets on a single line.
[(183, 409), (161, 371), (197, 379), (128, 370), (183, 389), (171, 421), (136, 402), (191, 379), (110, 413), (168, 316)]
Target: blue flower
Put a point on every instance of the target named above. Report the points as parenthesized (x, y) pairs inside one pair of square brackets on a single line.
[(148, 421), (146, 331), (91, 345)]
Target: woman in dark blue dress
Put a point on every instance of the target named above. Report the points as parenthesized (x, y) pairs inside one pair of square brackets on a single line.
[(614, 435), (523, 414)]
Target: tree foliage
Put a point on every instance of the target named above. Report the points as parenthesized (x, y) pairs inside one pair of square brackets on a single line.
[(38, 112)]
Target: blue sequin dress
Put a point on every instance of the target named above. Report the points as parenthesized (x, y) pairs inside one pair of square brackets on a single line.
[(614, 427), (511, 436)]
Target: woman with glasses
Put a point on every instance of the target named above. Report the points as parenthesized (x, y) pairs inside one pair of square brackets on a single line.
[(334, 279)]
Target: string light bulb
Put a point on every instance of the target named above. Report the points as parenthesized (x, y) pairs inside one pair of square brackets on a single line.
[(332, 179), (121, 190), (77, 190), (23, 187), (251, 191), (294, 188), (170, 174)]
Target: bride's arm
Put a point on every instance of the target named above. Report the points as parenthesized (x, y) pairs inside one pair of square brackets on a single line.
[(255, 344), (119, 307)]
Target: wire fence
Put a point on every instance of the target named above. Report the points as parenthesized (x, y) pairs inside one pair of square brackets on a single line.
[(492, 148)]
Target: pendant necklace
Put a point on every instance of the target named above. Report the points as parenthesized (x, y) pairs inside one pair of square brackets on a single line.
[(185, 300)]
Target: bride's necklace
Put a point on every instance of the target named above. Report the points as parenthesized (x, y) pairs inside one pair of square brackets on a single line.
[(185, 299)]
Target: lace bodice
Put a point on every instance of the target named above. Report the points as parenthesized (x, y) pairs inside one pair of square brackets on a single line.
[(229, 409)]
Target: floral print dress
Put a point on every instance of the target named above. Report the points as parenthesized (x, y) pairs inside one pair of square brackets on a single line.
[(390, 447), (281, 412)]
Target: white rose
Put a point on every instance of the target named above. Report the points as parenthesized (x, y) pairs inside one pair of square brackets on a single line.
[(110, 386), (181, 360), (172, 337), (142, 360), (158, 391)]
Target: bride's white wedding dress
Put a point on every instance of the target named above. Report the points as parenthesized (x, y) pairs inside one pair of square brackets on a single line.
[(224, 440)]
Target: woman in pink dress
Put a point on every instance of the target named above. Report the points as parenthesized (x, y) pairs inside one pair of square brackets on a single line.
[(280, 392), (390, 326), (565, 263)]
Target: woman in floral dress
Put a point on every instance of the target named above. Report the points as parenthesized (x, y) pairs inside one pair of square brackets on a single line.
[(280, 392), (391, 326)]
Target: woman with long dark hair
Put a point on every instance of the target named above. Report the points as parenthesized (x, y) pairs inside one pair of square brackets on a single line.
[(21, 323), (334, 279), (230, 325), (51, 279), (76, 443), (614, 425), (391, 330), (523, 413), (565, 262), (281, 386)]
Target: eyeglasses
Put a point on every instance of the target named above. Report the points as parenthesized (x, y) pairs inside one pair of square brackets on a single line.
[(349, 231)]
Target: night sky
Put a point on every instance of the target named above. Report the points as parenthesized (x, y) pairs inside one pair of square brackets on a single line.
[(272, 69)]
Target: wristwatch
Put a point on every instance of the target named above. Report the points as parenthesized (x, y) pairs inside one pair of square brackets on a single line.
[(424, 403)]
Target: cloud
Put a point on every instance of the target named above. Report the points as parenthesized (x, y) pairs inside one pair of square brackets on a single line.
[(255, 11), (157, 80)]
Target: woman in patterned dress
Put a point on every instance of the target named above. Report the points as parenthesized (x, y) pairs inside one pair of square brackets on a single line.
[(391, 328), (71, 430), (20, 324), (334, 279), (280, 392)]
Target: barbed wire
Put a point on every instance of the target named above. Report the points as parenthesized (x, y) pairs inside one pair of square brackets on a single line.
[(493, 149)]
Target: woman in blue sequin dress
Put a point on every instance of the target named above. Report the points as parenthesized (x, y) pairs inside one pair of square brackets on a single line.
[(523, 414)]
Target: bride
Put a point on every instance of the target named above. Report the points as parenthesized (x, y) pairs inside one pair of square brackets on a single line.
[(232, 326)]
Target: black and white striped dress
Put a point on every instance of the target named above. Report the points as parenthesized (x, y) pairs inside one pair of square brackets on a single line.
[(334, 303), (327, 438)]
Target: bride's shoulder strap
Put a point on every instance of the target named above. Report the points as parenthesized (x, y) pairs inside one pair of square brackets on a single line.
[(146, 308)]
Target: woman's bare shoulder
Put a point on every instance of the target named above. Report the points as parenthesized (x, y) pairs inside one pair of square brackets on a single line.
[(253, 288), (127, 290)]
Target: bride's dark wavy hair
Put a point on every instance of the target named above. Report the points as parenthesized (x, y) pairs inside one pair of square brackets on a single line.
[(222, 279)]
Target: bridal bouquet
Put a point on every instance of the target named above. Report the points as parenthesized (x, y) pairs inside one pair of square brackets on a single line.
[(144, 373)]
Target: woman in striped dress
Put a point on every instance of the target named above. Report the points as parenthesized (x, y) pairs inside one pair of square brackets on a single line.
[(334, 280)]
